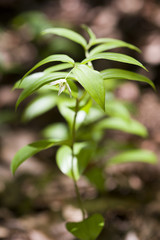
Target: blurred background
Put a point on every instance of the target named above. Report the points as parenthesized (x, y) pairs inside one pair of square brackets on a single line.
[(35, 204)]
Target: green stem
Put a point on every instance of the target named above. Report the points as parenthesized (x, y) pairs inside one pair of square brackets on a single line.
[(73, 155), (72, 146), (87, 55)]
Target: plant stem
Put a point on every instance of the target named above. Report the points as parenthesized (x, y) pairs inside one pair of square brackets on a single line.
[(72, 146), (87, 55), (73, 155)]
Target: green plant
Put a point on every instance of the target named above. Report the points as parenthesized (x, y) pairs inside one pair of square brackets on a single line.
[(89, 107)]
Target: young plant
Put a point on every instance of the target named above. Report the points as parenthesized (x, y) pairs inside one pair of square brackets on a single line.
[(86, 101)]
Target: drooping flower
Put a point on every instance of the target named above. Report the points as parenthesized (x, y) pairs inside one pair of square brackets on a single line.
[(62, 86)]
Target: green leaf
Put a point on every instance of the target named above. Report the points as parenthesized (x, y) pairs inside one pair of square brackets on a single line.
[(92, 82), (115, 73), (40, 105), (64, 108), (108, 40), (88, 229), (110, 44), (35, 22), (115, 108), (38, 83), (52, 58), (58, 67), (94, 114), (65, 164), (28, 80), (86, 106), (114, 57), (67, 33), (30, 150), (138, 155), (90, 32), (129, 126), (96, 177), (56, 131), (83, 153), (112, 85)]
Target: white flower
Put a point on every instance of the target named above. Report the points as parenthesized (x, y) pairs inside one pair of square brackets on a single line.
[(62, 86)]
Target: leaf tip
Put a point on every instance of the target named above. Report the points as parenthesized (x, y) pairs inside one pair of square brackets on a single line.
[(137, 49), (154, 87), (145, 68), (145, 133), (43, 32)]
